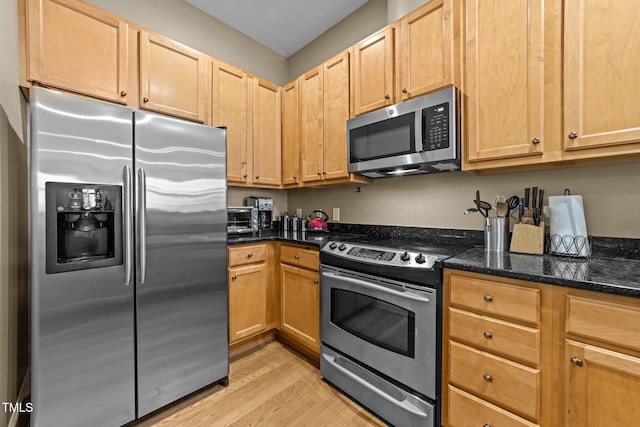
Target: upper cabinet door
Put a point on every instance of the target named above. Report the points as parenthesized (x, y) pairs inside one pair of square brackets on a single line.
[(336, 113), (230, 109), (373, 67), (77, 47), (172, 78), (267, 139), (290, 134), (311, 124), (504, 78), (425, 49), (602, 59)]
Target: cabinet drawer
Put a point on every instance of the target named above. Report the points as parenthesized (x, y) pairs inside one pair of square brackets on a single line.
[(301, 257), (509, 384), (468, 410), (508, 339), (242, 255), (605, 321), (496, 298)]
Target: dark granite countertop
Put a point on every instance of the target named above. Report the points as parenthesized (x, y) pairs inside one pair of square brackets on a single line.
[(317, 239), (616, 276)]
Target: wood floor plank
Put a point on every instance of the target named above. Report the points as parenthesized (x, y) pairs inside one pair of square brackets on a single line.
[(270, 387)]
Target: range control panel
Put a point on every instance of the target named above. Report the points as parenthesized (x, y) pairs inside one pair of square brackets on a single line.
[(382, 256)]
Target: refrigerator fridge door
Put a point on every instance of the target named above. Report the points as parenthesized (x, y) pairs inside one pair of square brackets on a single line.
[(181, 282), (82, 319)]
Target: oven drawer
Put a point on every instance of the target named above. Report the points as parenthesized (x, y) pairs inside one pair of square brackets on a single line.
[(467, 410), (506, 383), (498, 336), (300, 257), (496, 299), (247, 254)]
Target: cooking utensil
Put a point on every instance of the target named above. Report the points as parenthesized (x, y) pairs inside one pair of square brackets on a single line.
[(471, 210), (483, 207), (513, 202), (477, 201)]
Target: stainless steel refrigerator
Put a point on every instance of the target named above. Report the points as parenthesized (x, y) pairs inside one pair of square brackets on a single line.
[(128, 251)]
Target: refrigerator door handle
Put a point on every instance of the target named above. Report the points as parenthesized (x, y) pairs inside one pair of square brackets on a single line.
[(128, 226), (142, 223)]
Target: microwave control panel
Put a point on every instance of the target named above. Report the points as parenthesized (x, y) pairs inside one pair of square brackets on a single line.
[(436, 127)]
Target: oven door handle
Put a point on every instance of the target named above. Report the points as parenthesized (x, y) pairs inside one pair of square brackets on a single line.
[(342, 365), (406, 293)]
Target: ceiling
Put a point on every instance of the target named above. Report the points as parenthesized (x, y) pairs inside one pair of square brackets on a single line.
[(282, 25)]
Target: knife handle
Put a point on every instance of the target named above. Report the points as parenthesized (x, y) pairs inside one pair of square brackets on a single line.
[(527, 192), (541, 200), (534, 197)]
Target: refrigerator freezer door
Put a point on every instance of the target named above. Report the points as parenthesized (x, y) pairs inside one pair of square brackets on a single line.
[(82, 322), (182, 340)]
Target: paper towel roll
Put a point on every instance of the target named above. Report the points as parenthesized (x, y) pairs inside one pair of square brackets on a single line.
[(568, 226)]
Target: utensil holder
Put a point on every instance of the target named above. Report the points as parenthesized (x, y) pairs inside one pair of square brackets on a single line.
[(496, 233), (528, 239)]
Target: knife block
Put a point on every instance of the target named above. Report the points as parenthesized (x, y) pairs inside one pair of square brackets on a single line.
[(528, 239)]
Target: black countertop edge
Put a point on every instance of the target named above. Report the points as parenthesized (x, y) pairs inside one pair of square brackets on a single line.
[(317, 239), (606, 275)]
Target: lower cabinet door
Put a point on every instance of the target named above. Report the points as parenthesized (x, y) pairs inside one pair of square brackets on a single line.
[(602, 387), (247, 301), (301, 305)]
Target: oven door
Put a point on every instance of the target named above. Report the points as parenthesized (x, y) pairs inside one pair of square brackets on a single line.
[(386, 325)]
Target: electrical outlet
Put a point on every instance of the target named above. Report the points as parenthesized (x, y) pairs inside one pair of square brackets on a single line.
[(336, 214)]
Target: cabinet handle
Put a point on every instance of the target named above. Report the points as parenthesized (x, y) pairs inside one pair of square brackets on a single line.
[(535, 141), (488, 298), (257, 176), (249, 255), (404, 90), (316, 281), (319, 173), (488, 378), (296, 256), (573, 135), (576, 361), (488, 335), (145, 99), (295, 178), (387, 97), (123, 93), (487, 425), (234, 277)]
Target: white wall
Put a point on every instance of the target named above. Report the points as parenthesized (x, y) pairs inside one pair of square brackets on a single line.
[(396, 9), (186, 24)]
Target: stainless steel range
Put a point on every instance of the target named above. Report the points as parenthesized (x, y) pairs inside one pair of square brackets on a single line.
[(380, 311)]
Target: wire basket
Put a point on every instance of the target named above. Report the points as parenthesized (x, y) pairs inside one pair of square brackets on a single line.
[(569, 246)]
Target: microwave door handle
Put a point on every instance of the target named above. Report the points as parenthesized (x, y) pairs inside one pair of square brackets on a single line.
[(142, 223), (128, 226), (406, 294)]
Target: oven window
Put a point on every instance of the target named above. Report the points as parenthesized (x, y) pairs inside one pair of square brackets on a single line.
[(373, 320), (390, 137)]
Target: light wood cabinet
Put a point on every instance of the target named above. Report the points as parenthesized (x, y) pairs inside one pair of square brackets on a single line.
[(267, 138), (172, 78), (425, 50), (503, 80), (300, 296), (601, 362), (311, 125), (78, 47), (373, 72), (232, 93), (494, 360), (291, 134), (601, 45)]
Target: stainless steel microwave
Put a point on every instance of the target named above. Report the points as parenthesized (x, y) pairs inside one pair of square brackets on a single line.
[(417, 136)]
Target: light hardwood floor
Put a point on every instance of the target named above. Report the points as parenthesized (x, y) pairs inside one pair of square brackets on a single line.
[(272, 386)]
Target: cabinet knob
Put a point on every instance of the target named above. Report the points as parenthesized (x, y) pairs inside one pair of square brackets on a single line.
[(296, 256), (234, 277), (404, 90), (488, 335), (316, 281), (573, 135), (487, 425), (535, 141), (488, 298), (123, 93), (257, 176), (576, 361), (244, 176), (488, 378), (145, 99), (319, 173), (295, 178), (249, 255), (387, 97)]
